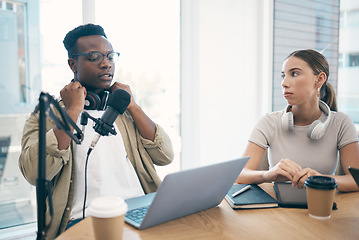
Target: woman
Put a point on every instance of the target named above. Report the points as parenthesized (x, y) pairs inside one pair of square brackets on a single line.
[(305, 138)]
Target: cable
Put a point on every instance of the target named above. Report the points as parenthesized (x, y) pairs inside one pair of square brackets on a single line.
[(84, 206)]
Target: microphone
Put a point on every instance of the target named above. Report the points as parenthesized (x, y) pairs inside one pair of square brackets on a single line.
[(117, 104)]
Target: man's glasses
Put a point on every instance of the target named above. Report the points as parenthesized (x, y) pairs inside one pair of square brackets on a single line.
[(97, 57)]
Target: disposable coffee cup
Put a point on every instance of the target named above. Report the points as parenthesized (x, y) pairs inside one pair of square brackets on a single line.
[(320, 196), (108, 217)]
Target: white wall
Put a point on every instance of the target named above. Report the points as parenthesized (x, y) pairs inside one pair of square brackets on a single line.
[(226, 75)]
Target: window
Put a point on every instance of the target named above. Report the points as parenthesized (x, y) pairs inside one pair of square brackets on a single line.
[(353, 60), (302, 25), (349, 18), (150, 59), (348, 83), (340, 61), (149, 63), (13, 44), (19, 87)]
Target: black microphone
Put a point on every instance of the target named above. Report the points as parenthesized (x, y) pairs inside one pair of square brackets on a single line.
[(117, 104)]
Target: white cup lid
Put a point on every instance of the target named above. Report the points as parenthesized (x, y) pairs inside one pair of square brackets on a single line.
[(107, 207)]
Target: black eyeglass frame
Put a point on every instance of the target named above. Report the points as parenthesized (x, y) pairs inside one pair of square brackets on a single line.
[(94, 60)]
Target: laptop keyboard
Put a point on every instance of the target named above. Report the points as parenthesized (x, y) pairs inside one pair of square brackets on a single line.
[(137, 214)]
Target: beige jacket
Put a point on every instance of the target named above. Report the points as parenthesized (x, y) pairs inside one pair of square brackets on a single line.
[(142, 153)]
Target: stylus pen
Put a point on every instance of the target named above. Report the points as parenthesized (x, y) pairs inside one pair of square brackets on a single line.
[(241, 190)]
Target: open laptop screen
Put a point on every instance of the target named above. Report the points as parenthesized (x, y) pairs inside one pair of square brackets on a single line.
[(186, 192)]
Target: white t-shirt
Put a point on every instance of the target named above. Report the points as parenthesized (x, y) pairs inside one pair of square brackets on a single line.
[(320, 155), (109, 171)]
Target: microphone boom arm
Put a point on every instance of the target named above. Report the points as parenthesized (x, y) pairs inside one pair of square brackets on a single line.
[(43, 186)]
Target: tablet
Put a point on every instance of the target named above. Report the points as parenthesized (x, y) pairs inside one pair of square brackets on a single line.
[(355, 173), (290, 197)]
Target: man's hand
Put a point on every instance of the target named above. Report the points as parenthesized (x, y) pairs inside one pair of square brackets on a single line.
[(73, 96), (125, 87)]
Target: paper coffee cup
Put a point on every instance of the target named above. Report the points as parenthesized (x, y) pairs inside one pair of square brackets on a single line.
[(108, 215), (320, 196)]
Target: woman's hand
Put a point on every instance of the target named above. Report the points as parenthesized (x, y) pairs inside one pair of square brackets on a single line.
[(284, 170), (302, 175)]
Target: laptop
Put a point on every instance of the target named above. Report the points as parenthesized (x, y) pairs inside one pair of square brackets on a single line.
[(355, 174), (183, 193)]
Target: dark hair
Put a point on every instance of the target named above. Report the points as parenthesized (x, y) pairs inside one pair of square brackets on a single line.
[(81, 31), (319, 64)]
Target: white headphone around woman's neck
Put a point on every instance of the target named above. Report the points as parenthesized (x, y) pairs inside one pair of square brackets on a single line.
[(316, 129)]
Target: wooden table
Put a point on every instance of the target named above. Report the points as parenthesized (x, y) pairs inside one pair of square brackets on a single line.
[(222, 222)]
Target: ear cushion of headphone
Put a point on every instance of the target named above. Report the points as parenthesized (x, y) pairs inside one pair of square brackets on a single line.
[(288, 121), (92, 101), (316, 130)]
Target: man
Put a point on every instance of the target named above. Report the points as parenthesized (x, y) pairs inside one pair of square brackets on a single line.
[(119, 165)]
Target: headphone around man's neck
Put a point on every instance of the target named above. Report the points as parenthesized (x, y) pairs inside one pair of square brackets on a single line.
[(93, 101)]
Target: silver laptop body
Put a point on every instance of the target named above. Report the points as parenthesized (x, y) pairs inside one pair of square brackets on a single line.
[(185, 192)]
